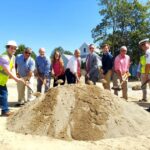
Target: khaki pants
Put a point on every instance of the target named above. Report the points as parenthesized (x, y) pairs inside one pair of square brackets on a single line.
[(107, 77), (21, 91), (144, 89), (116, 82)]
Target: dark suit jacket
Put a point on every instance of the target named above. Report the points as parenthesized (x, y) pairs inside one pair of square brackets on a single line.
[(93, 67)]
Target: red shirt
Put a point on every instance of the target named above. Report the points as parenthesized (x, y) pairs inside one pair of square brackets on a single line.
[(58, 68)]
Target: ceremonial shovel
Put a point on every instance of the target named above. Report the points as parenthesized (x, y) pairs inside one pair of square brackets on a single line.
[(118, 88), (37, 94)]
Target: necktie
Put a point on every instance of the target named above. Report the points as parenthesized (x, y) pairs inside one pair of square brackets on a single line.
[(88, 63), (78, 68)]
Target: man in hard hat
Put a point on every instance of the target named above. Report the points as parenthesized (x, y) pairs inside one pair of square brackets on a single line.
[(141, 74), (7, 63), (25, 66), (145, 46)]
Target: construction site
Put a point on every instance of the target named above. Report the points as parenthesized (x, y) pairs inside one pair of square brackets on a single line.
[(83, 117)]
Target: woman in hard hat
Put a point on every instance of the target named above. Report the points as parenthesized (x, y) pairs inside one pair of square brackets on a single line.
[(7, 63)]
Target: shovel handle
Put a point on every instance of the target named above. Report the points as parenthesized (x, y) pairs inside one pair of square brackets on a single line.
[(125, 76), (145, 83), (29, 87), (41, 80)]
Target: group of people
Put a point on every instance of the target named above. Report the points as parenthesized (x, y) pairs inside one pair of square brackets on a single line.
[(25, 68)]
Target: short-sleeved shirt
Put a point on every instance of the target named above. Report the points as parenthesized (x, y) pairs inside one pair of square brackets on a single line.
[(148, 56), (24, 66), (4, 62)]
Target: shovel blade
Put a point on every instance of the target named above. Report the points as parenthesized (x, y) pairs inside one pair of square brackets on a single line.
[(103, 81), (60, 81), (89, 82), (116, 88), (37, 94)]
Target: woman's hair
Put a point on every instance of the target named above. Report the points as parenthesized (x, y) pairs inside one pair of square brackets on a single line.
[(60, 59)]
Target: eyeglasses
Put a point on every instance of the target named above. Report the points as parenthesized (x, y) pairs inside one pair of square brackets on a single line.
[(27, 53)]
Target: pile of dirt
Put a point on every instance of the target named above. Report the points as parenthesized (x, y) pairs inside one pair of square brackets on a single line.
[(80, 112)]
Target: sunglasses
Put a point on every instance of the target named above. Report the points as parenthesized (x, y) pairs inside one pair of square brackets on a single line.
[(27, 53), (142, 44)]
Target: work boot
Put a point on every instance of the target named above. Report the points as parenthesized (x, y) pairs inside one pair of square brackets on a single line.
[(7, 114)]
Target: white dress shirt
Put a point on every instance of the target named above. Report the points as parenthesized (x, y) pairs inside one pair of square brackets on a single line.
[(72, 64)]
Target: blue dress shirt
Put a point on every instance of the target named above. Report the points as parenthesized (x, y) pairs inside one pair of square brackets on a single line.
[(43, 65)]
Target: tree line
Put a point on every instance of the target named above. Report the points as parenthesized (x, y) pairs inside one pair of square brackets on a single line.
[(123, 22)]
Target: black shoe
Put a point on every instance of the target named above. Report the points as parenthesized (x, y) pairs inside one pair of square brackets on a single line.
[(148, 109), (19, 105), (143, 100)]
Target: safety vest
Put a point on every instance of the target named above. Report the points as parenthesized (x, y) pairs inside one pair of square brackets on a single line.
[(3, 75), (143, 64)]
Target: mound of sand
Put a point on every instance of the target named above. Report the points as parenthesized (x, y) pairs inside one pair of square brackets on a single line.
[(80, 112)]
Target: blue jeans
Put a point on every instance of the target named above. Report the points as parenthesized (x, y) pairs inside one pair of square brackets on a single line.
[(40, 83), (4, 98)]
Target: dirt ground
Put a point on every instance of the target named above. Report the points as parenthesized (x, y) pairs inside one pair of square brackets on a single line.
[(16, 141)]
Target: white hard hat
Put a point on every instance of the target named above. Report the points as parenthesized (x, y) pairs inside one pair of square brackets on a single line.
[(11, 43), (143, 41)]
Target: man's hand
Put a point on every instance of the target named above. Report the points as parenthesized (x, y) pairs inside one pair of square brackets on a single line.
[(101, 71), (78, 80), (20, 80), (55, 77), (88, 75)]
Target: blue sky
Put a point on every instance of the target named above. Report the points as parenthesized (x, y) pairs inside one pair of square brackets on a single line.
[(48, 23)]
